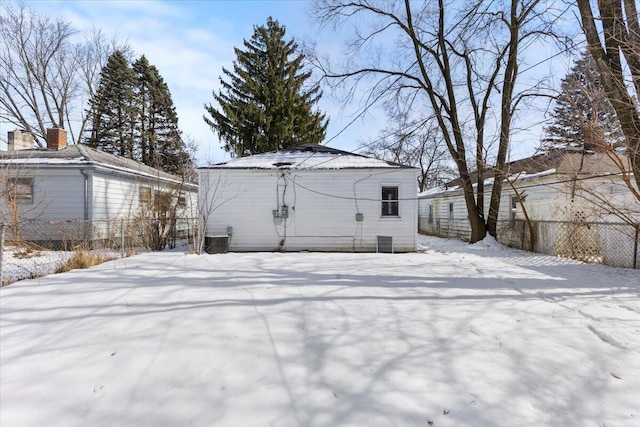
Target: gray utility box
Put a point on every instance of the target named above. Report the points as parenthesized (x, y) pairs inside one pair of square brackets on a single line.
[(216, 244)]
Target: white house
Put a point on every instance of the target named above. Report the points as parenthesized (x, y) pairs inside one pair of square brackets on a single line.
[(559, 185), (567, 195), (312, 198), (74, 182)]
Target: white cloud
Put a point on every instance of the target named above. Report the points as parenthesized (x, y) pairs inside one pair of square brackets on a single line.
[(190, 42)]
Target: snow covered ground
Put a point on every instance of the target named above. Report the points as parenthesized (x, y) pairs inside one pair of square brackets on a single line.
[(19, 263), (456, 335)]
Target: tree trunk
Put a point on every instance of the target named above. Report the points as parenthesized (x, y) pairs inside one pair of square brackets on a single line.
[(617, 41), (510, 75)]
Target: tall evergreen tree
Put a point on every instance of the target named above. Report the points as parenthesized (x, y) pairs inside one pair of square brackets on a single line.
[(264, 104), (583, 116), (158, 139), (150, 133), (111, 127)]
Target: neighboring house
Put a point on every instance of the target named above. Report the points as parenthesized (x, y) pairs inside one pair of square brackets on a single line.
[(563, 193), (554, 186), (312, 198), (79, 183)]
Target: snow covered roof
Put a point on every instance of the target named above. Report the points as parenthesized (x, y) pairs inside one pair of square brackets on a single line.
[(516, 177), (558, 161), (79, 155), (308, 156)]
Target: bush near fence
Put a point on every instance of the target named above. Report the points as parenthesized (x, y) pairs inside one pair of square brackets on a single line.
[(608, 243), (31, 249)]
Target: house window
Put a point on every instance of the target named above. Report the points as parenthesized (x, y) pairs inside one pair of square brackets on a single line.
[(145, 196), (514, 207), (162, 201), (20, 190), (389, 201), (182, 202), (451, 211), (430, 214)]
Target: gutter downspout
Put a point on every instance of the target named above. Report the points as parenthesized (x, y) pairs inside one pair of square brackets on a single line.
[(87, 198)]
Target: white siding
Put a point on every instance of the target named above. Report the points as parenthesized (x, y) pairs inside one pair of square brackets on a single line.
[(190, 209), (322, 208), (547, 198), (114, 197), (117, 196), (57, 195), (442, 223)]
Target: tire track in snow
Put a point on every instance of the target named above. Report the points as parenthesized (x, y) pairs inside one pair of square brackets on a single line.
[(632, 309), (606, 338), (601, 335)]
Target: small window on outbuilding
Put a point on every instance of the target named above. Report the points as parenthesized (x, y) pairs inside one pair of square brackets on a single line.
[(20, 190), (162, 201), (430, 214), (514, 207), (145, 196), (389, 201), (451, 211)]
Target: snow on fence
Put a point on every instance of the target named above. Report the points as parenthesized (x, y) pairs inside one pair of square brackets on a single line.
[(615, 244), (30, 249)]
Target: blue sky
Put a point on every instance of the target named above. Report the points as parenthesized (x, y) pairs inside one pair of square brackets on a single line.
[(190, 42)]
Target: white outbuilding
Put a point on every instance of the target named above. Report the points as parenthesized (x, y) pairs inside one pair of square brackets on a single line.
[(310, 197)]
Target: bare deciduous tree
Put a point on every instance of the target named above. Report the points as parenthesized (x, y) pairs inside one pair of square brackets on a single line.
[(18, 199), (613, 39), (47, 71), (457, 61), (418, 146), (609, 194), (210, 189)]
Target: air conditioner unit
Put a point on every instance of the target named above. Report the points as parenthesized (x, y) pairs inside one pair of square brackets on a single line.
[(384, 244), (216, 244)]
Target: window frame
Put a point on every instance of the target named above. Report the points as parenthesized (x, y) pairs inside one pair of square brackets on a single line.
[(515, 201), (145, 196), (163, 201), (19, 197), (389, 207), (451, 210)]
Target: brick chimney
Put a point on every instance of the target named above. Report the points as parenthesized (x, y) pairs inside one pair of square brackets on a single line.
[(56, 139)]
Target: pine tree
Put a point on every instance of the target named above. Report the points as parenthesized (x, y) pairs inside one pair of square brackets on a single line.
[(583, 116), (111, 127), (134, 116), (158, 138), (264, 104)]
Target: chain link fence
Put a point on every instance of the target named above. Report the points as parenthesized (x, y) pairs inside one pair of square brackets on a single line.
[(32, 249), (615, 244)]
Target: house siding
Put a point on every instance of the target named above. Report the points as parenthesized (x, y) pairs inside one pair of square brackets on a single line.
[(547, 198), (114, 197), (118, 196), (322, 208), (59, 194), (56, 195)]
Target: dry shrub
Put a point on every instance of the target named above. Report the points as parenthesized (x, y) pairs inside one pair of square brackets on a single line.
[(83, 259)]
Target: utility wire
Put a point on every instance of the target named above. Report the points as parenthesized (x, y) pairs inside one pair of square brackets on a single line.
[(549, 184)]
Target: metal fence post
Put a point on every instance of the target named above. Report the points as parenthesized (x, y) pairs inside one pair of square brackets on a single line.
[(635, 247), (1, 252), (122, 238)]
